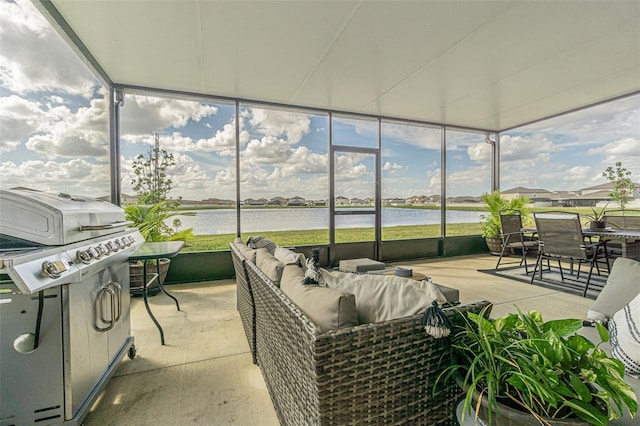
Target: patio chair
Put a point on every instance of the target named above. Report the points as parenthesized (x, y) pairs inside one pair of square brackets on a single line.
[(560, 237), (513, 238)]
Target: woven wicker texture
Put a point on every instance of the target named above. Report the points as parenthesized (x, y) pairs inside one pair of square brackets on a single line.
[(245, 304), (369, 374)]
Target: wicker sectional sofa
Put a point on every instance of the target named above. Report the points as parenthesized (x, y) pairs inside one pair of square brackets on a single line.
[(377, 373)]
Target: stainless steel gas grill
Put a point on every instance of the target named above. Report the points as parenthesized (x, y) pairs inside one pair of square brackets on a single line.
[(64, 304)]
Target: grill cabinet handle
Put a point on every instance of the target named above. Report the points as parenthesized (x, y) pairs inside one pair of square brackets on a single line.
[(98, 308), (113, 225), (118, 292)]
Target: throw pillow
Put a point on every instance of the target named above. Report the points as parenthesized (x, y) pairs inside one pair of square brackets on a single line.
[(328, 308), (246, 251), (269, 265), (262, 242), (624, 329), (622, 285), (384, 297), (289, 257)]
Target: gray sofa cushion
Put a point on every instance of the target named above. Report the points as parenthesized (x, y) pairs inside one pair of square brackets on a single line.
[(269, 265), (384, 297), (289, 257), (246, 251), (328, 308), (623, 285)]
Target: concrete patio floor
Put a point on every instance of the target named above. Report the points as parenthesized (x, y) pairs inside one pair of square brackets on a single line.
[(204, 374)]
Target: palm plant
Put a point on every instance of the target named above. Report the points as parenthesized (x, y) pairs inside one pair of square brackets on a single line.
[(495, 204), (151, 221)]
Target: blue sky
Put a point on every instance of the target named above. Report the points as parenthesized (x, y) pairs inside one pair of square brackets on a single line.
[(53, 135)]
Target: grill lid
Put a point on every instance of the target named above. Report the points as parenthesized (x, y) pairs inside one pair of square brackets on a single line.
[(57, 219)]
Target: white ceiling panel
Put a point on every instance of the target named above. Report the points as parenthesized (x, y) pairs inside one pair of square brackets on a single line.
[(481, 64)]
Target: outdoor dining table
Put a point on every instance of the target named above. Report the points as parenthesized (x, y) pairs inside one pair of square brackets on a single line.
[(629, 238)]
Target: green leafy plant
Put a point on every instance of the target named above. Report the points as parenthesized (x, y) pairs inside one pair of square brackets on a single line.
[(151, 221), (623, 185), (495, 204), (598, 214), (543, 368)]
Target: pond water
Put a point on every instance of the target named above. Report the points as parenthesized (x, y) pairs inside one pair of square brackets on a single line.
[(223, 221)]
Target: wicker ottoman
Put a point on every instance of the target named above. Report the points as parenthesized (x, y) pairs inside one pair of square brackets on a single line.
[(360, 266)]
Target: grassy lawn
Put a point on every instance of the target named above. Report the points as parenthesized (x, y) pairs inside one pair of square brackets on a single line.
[(321, 236)]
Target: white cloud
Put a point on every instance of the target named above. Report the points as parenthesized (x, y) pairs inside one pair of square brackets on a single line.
[(75, 176), (65, 133), (25, 34), (390, 167), (479, 152), (274, 123), (268, 150), (18, 117), (417, 136), (146, 115)]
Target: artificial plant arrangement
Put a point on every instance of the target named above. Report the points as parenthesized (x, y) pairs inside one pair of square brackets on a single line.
[(543, 370)]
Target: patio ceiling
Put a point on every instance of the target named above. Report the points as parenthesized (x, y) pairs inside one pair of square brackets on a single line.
[(481, 64)]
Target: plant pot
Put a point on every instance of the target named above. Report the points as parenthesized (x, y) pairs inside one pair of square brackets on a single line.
[(136, 274), (597, 224), (494, 245), (508, 416)]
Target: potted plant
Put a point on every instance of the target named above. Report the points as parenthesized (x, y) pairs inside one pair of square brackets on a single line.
[(155, 212), (491, 229), (519, 369), (597, 219)]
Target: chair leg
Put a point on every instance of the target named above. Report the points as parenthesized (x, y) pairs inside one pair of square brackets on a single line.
[(535, 268), (560, 267), (593, 261), (505, 243)]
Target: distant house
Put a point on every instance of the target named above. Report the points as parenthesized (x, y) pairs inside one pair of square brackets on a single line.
[(342, 201), (278, 201), (258, 202), (535, 195), (396, 202), (464, 199), (296, 201)]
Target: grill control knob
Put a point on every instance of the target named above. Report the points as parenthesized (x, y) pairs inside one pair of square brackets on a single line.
[(118, 244), (111, 247), (54, 269), (83, 256), (94, 253), (100, 250), (125, 242), (131, 240)]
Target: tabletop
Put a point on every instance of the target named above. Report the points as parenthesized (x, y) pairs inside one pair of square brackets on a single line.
[(612, 232), (153, 250)]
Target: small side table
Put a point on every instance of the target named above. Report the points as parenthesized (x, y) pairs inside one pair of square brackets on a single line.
[(154, 251)]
